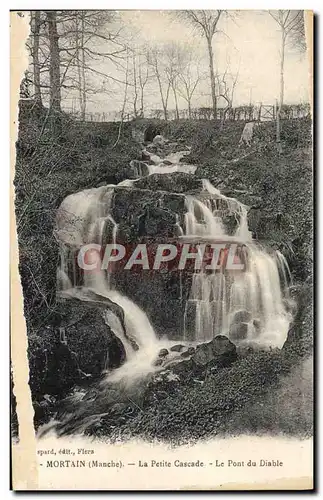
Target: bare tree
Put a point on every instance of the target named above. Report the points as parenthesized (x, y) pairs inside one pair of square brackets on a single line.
[(175, 57), (189, 79), (226, 83), (140, 78), (206, 22), (125, 97), (291, 23), (88, 39), (79, 41), (73, 43), (143, 78), (154, 60), (54, 70), (135, 86), (35, 23)]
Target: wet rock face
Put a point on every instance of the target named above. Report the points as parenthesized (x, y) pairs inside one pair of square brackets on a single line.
[(145, 213), (238, 331), (160, 295), (131, 203), (242, 316), (158, 222), (257, 324), (176, 182), (220, 351), (189, 352), (90, 347)]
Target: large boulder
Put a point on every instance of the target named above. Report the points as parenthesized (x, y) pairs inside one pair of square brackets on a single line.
[(184, 368), (145, 156), (177, 348), (220, 351), (159, 140), (238, 331), (242, 316), (76, 346), (203, 354)]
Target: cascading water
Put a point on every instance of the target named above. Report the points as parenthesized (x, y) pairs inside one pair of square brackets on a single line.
[(220, 302), (248, 307), (215, 298), (172, 164), (81, 219)]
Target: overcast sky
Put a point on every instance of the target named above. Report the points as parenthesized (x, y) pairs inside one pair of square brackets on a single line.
[(251, 44)]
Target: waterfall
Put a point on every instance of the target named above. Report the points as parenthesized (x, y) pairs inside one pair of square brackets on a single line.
[(81, 219), (246, 306), (162, 168), (172, 164), (84, 218)]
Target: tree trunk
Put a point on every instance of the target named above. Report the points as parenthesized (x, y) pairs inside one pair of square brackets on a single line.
[(35, 29), (189, 108), (142, 84), (135, 89), (54, 69), (278, 143), (164, 102), (282, 68), (83, 70), (212, 77), (123, 105), (78, 62), (225, 111), (281, 97), (141, 102), (176, 102)]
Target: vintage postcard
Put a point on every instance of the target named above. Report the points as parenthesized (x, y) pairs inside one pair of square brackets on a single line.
[(162, 250)]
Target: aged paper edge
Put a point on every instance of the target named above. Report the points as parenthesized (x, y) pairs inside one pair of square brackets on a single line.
[(24, 466), (24, 463)]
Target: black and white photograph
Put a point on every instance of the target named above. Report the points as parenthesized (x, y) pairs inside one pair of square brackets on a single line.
[(163, 204)]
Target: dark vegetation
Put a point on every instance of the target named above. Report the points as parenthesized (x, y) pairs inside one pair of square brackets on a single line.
[(48, 168), (278, 188), (217, 405), (258, 392)]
